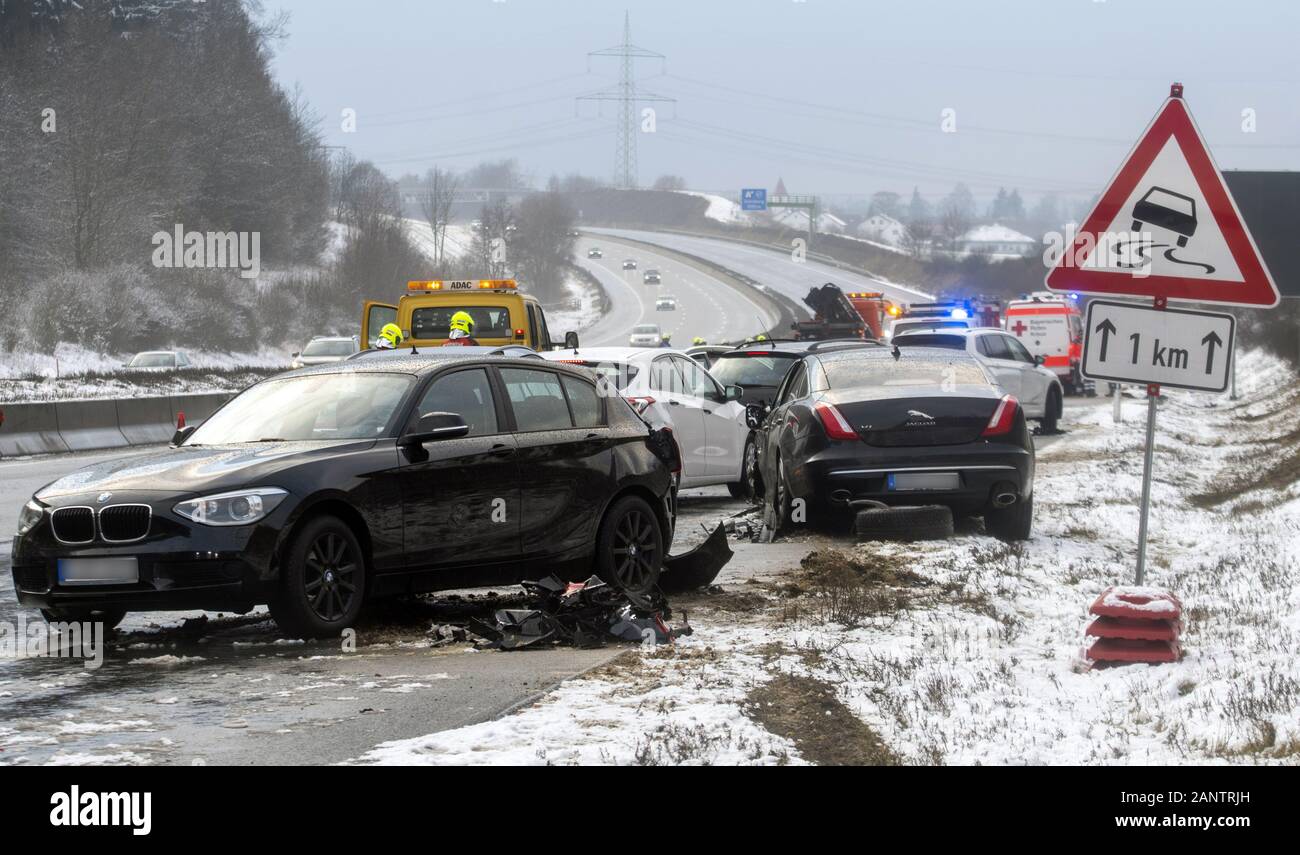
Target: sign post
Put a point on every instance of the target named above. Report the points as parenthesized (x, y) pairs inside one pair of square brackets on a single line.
[(1165, 228)]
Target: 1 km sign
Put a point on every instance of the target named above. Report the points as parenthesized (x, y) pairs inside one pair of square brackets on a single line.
[(1128, 343)]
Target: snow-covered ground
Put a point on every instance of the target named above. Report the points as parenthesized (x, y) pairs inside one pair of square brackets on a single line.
[(77, 372), (967, 651), (722, 209), (460, 238), (581, 310)]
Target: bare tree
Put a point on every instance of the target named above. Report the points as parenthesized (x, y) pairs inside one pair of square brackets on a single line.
[(437, 194)]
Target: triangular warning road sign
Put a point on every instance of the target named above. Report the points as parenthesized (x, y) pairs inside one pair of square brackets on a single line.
[(1166, 226)]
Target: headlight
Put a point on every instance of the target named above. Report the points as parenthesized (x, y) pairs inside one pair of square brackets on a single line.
[(240, 507), (29, 516)]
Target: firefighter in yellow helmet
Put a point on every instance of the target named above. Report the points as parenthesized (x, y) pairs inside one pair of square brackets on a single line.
[(761, 337), (698, 340), (390, 337), (461, 330)]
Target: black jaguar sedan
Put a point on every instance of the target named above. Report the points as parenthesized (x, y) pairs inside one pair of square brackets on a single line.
[(320, 488), (899, 427)]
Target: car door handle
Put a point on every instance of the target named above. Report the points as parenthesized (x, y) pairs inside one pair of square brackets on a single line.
[(502, 450), (708, 412), (675, 403)]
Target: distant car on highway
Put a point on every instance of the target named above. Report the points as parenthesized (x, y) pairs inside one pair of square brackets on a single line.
[(629, 264), (595, 252), (320, 489), (645, 335), (158, 360), (651, 277), (669, 389), (1014, 369), (928, 426), (324, 349), (666, 303)]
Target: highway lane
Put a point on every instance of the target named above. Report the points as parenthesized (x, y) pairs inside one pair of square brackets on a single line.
[(706, 306), (776, 270)]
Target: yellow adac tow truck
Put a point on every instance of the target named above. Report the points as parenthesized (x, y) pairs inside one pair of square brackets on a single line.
[(502, 314)]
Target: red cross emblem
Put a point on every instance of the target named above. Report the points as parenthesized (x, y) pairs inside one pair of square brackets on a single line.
[(1019, 328)]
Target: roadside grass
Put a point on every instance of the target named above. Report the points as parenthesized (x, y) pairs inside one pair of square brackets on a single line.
[(34, 388), (808, 712)]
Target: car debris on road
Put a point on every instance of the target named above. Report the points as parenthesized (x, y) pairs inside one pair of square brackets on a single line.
[(583, 614)]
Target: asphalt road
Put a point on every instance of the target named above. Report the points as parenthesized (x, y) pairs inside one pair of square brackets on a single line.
[(706, 306), (773, 269)]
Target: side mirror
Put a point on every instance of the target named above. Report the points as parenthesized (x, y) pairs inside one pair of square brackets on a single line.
[(183, 434), (433, 426), (734, 393), (296, 354), (570, 341), (1040, 359), (755, 414)]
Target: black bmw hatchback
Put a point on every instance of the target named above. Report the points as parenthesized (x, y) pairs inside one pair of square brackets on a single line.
[(320, 488), (917, 426)]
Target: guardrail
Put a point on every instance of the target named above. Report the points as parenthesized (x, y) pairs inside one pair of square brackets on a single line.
[(51, 427)]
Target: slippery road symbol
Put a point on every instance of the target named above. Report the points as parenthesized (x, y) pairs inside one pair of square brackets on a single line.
[(1167, 210)]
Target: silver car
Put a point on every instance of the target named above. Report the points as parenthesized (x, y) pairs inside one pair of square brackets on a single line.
[(645, 335), (325, 348)]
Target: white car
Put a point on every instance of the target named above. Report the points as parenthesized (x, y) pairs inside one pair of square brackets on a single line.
[(666, 303), (668, 388), (645, 335), (326, 348), (904, 326), (1011, 365), (158, 360)]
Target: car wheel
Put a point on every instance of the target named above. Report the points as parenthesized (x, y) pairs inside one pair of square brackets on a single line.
[(322, 580), (779, 500), (630, 546), (747, 487), (108, 617), (1013, 523), (1051, 412), (920, 522)]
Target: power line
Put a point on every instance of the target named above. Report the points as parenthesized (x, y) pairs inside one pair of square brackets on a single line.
[(627, 96)]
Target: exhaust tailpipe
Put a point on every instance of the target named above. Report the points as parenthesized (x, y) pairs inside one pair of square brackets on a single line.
[(1004, 495), (840, 497)]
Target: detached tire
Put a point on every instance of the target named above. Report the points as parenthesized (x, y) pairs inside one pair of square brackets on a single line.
[(110, 618), (322, 580), (630, 546), (1013, 523), (920, 522)]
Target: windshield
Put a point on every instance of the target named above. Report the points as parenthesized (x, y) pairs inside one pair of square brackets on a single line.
[(316, 406), (327, 347), (907, 371), (742, 369), (153, 360), (433, 322), (620, 374)]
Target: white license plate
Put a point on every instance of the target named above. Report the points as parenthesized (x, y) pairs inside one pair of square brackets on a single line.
[(98, 571), (903, 481)]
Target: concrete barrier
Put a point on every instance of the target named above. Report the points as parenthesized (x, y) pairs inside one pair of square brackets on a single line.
[(85, 425), (30, 429), (197, 407), (89, 424), (145, 421)]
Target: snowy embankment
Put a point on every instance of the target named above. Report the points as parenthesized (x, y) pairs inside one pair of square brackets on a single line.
[(76, 372), (722, 209), (967, 651), (458, 244)]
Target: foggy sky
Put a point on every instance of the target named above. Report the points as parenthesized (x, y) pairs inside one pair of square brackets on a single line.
[(1048, 95)]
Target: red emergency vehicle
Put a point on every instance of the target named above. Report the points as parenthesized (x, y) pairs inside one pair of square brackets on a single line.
[(1050, 326)]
